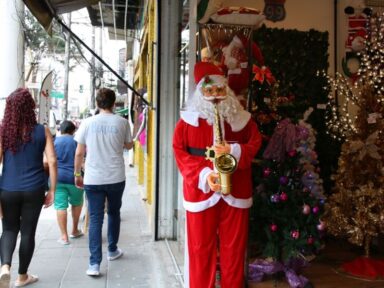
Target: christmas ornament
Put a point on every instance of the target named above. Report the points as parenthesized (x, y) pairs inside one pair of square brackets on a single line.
[(292, 153), (266, 172), (275, 198), (315, 210), (306, 209), (295, 234), (273, 227), (310, 240), (283, 196), (283, 180), (321, 226)]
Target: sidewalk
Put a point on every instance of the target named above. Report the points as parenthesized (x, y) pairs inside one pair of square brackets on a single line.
[(145, 263)]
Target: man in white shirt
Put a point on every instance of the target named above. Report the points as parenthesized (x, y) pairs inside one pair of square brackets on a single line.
[(103, 138)]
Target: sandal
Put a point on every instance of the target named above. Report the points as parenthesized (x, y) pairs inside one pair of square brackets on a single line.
[(78, 235), (5, 277), (30, 280), (62, 242)]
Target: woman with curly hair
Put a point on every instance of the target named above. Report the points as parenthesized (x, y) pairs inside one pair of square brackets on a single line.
[(23, 145)]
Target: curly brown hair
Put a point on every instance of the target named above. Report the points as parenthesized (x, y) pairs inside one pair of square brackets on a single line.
[(19, 120)]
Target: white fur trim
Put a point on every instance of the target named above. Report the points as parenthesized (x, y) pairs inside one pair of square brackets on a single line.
[(236, 151), (190, 117), (240, 120), (238, 203), (244, 65), (203, 183), (231, 62), (202, 205), (214, 199), (216, 79), (236, 40), (234, 71)]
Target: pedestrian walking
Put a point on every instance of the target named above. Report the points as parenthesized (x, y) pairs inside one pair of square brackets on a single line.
[(66, 191), (23, 144), (103, 137)]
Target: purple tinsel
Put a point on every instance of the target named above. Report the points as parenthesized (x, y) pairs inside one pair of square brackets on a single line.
[(260, 267), (285, 139)]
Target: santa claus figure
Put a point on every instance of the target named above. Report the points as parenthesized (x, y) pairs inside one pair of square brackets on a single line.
[(210, 214), (235, 63)]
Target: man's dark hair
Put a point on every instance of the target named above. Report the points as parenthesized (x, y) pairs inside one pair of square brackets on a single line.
[(67, 127), (105, 98)]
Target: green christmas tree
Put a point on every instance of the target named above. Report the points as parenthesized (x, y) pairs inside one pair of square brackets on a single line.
[(289, 200)]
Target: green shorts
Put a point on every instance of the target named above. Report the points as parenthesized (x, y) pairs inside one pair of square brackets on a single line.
[(68, 193)]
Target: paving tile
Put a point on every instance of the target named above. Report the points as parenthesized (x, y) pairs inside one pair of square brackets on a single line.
[(145, 263)]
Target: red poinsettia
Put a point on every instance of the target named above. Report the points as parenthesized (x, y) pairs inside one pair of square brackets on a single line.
[(263, 74)]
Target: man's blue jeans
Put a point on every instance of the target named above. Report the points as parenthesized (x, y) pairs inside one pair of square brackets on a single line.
[(96, 195)]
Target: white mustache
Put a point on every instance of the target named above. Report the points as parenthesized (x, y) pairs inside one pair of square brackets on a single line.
[(210, 98)]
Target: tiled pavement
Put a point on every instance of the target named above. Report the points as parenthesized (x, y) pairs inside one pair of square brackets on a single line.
[(145, 264)]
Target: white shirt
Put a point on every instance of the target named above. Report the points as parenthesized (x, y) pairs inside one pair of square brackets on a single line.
[(104, 136)]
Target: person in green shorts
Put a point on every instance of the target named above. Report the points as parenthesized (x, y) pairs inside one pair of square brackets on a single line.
[(66, 191)]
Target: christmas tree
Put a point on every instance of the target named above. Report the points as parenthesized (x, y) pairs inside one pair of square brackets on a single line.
[(289, 200), (355, 210)]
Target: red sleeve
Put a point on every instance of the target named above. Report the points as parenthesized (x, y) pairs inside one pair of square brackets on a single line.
[(251, 147), (189, 165)]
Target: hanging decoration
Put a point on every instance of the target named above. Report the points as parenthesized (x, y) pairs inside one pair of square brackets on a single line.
[(274, 10), (355, 42)]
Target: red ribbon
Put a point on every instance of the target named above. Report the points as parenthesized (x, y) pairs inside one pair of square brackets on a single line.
[(262, 74)]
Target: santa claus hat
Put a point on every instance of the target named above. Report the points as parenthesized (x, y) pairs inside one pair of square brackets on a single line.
[(203, 69)]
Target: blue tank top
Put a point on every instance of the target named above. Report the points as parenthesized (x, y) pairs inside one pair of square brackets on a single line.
[(24, 170), (65, 147)]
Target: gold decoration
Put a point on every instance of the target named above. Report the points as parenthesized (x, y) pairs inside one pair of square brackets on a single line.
[(356, 209)]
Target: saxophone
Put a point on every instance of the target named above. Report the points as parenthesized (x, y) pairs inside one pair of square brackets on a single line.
[(225, 163)]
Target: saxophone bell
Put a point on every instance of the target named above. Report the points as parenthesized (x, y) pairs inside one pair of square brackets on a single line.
[(225, 164)]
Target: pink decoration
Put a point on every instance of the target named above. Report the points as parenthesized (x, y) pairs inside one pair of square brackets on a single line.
[(310, 240), (295, 234), (266, 172), (282, 141), (275, 198), (321, 226), (273, 227), (283, 196), (315, 210), (306, 209), (292, 153)]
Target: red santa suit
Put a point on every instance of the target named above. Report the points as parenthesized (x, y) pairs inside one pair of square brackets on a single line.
[(235, 64), (211, 214)]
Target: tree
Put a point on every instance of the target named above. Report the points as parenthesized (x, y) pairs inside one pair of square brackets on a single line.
[(356, 208), (40, 44), (289, 201)]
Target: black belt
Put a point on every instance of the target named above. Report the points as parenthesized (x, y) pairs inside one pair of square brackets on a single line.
[(200, 152)]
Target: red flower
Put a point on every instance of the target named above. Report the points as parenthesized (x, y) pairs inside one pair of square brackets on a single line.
[(262, 74)]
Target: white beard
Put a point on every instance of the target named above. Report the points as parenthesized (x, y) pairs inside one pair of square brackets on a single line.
[(227, 108)]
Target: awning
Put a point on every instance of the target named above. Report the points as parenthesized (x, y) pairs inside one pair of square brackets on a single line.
[(119, 14), (44, 10)]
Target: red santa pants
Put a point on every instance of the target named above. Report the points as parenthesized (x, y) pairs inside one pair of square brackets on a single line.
[(228, 223)]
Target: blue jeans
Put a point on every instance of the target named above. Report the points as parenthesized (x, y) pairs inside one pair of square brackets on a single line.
[(96, 195)]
